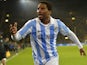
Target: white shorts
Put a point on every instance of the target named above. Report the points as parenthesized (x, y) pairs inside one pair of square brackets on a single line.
[(52, 61)]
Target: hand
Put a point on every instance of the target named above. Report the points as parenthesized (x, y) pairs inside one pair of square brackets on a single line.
[(13, 28), (82, 52)]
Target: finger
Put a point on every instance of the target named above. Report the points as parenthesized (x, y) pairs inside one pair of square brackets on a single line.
[(10, 25), (15, 24), (81, 53), (84, 54)]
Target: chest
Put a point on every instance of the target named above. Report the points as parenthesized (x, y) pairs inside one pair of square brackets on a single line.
[(41, 31)]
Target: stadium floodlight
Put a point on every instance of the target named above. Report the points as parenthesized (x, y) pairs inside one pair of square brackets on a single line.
[(6, 20), (7, 15), (4, 0), (24, 1), (66, 37), (27, 5), (73, 18), (86, 21)]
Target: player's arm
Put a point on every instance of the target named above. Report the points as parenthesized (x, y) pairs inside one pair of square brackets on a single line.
[(20, 34), (75, 39), (67, 32)]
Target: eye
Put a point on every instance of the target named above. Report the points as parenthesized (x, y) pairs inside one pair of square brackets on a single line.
[(37, 8)]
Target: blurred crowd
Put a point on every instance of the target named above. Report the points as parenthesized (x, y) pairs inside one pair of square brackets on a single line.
[(12, 46)]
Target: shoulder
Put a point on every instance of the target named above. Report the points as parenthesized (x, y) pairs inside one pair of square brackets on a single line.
[(59, 22), (31, 21), (56, 19)]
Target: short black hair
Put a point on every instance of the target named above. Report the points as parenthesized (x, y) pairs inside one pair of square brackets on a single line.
[(49, 6)]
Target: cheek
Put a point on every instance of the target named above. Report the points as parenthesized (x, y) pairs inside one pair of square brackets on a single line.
[(43, 12), (46, 13)]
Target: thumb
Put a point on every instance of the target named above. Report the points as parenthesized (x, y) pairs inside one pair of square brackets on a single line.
[(10, 25)]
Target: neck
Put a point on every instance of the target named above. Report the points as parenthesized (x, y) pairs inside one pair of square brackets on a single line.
[(45, 20)]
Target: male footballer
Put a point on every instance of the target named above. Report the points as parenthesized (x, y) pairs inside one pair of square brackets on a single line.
[(43, 31)]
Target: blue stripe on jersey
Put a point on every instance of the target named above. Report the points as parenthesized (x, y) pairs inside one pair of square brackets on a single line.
[(52, 40), (25, 29), (36, 43), (43, 37)]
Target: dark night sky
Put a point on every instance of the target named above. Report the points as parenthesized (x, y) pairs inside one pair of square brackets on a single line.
[(61, 8)]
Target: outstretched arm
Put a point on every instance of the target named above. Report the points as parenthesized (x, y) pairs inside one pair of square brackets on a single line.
[(67, 32), (21, 33), (74, 38)]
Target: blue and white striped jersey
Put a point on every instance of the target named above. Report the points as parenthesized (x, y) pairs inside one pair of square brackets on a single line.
[(43, 37)]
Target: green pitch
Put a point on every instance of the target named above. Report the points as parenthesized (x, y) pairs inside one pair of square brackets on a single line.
[(69, 55)]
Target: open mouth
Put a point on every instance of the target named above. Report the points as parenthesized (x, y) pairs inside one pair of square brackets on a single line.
[(40, 15)]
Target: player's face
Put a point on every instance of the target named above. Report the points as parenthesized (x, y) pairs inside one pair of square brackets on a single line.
[(43, 12)]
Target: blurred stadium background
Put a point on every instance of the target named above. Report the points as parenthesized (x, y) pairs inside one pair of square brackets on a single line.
[(72, 12)]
